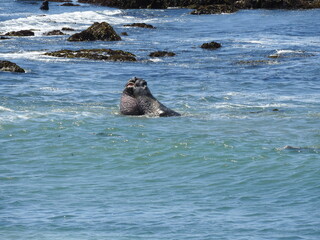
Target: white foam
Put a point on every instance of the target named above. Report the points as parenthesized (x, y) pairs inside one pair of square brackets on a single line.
[(77, 20), (156, 60), (70, 113), (248, 105), (22, 54), (33, 55), (289, 51), (57, 90), (5, 109), (12, 116)]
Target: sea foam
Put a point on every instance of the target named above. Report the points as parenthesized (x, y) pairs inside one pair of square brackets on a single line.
[(77, 20)]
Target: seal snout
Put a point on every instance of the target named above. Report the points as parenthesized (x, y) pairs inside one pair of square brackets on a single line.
[(140, 83)]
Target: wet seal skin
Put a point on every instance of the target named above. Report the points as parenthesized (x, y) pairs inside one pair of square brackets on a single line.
[(137, 99)]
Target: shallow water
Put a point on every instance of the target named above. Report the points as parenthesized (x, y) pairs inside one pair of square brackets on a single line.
[(71, 167)]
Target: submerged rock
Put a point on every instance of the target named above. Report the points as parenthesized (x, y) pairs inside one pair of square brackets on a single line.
[(54, 32), (234, 4), (22, 33), (211, 45), (8, 66), (141, 25), (162, 54), (67, 29), (70, 5), (95, 54), (256, 62), (3, 38), (98, 31), (214, 9)]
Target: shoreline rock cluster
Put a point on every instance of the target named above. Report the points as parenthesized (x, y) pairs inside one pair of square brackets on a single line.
[(104, 31), (7, 66), (209, 6), (98, 31), (95, 54)]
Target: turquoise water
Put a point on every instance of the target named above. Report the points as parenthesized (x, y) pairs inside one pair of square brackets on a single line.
[(71, 167)]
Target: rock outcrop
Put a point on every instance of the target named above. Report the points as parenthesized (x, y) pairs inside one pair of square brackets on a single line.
[(162, 54), (140, 25), (205, 5), (22, 33), (54, 32), (8, 66), (158, 4), (211, 45), (95, 54), (214, 9), (98, 31), (67, 29)]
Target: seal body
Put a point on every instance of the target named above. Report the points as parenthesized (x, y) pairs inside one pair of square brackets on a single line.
[(137, 99)]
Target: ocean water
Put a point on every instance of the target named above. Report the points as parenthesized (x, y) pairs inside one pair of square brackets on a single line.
[(72, 167)]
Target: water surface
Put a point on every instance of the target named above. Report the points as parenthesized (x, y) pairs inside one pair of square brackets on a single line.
[(71, 167)]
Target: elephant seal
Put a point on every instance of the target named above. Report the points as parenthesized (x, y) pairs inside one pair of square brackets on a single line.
[(137, 99)]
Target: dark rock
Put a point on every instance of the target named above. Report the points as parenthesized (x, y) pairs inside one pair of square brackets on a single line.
[(62, 1), (67, 29), (211, 45), (59, 0), (98, 31), (95, 54), (21, 33), (124, 34), (214, 9), (3, 38), (70, 5), (157, 4), (141, 25), (238, 4), (162, 54), (10, 67), (120, 3), (54, 32), (45, 6)]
